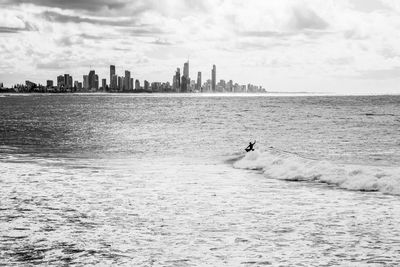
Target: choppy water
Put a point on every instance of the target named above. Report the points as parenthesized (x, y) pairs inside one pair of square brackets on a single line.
[(162, 180)]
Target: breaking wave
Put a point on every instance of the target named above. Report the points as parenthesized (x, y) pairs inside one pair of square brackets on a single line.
[(286, 166)]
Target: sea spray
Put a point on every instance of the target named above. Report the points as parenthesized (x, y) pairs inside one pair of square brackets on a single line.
[(287, 166)]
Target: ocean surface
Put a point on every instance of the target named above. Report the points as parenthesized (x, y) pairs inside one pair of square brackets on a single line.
[(163, 180)]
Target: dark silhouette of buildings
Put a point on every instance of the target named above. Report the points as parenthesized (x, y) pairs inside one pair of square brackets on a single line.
[(213, 78)]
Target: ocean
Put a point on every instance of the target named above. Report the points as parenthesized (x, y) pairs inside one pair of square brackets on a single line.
[(163, 180)]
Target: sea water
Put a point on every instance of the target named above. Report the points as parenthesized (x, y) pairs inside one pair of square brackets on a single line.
[(163, 180)]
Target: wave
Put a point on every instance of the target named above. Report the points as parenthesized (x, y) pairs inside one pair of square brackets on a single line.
[(287, 166)]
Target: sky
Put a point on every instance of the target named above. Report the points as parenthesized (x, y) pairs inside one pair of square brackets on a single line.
[(330, 46)]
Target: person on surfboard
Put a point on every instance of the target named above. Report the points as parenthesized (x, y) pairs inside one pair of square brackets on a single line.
[(250, 147)]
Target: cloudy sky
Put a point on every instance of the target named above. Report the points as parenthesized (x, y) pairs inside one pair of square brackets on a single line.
[(345, 46)]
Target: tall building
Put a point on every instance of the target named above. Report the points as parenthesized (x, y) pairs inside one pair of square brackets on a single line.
[(114, 82), (184, 84), (66, 81), (60, 81), (230, 86), (112, 73), (127, 80), (92, 80), (146, 85), (49, 83), (137, 85), (86, 82), (198, 85), (186, 70), (77, 85), (131, 84), (178, 79), (120, 83), (174, 82), (96, 82), (104, 84), (213, 78)]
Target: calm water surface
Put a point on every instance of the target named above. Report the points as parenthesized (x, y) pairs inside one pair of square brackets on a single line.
[(162, 180)]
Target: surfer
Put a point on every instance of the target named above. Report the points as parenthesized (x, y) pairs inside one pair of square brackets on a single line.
[(250, 147)]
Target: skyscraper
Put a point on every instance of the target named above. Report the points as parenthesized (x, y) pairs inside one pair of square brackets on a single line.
[(86, 82), (174, 82), (213, 78), (198, 85), (92, 80), (114, 82), (186, 70), (66, 81), (112, 73), (131, 84), (127, 80), (137, 85), (96, 82), (120, 83), (104, 84), (60, 81), (184, 84), (178, 79)]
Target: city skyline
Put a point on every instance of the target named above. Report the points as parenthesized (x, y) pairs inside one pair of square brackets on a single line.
[(116, 83), (320, 46)]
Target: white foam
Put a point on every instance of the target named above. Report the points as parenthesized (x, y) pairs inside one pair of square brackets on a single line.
[(286, 166)]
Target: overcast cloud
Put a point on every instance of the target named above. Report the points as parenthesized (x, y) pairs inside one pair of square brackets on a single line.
[(287, 45)]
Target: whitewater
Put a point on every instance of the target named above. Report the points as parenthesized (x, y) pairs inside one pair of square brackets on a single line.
[(287, 166)]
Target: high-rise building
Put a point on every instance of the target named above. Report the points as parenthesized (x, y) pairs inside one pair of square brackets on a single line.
[(198, 85), (96, 83), (86, 82), (114, 82), (213, 78), (60, 81), (120, 83), (77, 86), (127, 80), (230, 86), (137, 85), (104, 84), (92, 80), (184, 84), (178, 79), (112, 73), (131, 84), (186, 70), (146, 85), (174, 82), (49, 83), (66, 81)]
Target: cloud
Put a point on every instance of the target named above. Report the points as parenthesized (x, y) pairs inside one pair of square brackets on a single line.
[(62, 18), (380, 74), (306, 19), (161, 42), (52, 65), (28, 27), (88, 5), (319, 37)]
